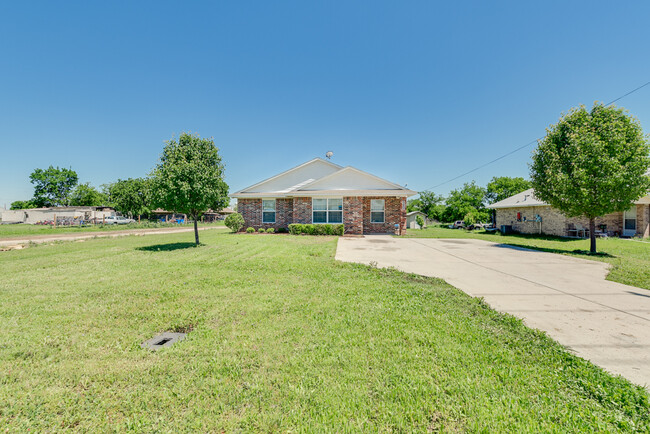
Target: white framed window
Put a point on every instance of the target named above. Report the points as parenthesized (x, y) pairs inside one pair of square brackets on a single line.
[(268, 210), (377, 210), (327, 210)]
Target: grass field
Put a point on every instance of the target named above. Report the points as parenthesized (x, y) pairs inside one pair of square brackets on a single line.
[(283, 339), (8, 231), (630, 259)]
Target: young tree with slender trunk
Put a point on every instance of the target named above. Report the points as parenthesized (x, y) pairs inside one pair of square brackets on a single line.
[(592, 163), (189, 178)]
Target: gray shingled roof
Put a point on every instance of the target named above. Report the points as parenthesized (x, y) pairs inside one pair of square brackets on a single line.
[(525, 198)]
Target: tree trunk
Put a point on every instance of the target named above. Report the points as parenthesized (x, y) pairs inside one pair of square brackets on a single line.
[(592, 235), (196, 230)]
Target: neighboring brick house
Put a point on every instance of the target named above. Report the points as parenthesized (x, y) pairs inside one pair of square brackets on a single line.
[(320, 191), (529, 215)]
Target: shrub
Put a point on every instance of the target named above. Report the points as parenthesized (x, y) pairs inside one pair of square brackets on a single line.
[(297, 229), (282, 230), (235, 222), (250, 230), (261, 230), (270, 231), (420, 221)]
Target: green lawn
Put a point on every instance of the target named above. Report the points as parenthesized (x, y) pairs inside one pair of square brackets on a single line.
[(630, 259), (283, 339), (7, 231)]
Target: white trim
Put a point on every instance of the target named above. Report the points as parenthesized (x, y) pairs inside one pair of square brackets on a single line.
[(275, 211), (361, 172), (243, 190), (383, 212), (326, 211)]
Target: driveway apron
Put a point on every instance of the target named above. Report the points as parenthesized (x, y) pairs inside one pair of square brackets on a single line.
[(605, 322)]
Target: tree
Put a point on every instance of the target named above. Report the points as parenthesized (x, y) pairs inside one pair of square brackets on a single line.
[(189, 178), (465, 200), (429, 203), (502, 187), (235, 222), (131, 196), (592, 163), (22, 204), (87, 195), (420, 221), (52, 186)]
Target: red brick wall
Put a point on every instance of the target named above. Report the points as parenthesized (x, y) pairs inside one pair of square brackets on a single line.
[(394, 213), (356, 214), (302, 210), (251, 210), (353, 215)]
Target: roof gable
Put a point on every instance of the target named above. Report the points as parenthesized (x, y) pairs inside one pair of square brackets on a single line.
[(350, 178), (294, 178), (523, 199)]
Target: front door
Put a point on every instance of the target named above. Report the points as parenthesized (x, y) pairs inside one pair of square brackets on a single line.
[(629, 222)]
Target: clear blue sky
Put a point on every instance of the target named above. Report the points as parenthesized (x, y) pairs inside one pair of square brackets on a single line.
[(416, 92)]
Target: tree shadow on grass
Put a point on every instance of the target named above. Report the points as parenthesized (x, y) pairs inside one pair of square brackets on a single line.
[(560, 251), (167, 247)]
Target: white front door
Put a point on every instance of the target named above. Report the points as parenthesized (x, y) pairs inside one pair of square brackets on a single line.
[(629, 222)]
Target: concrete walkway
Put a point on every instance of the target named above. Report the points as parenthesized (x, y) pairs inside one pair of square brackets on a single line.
[(26, 239), (605, 322)]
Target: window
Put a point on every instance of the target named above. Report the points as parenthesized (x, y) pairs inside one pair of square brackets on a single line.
[(327, 211), (377, 210), (268, 210)]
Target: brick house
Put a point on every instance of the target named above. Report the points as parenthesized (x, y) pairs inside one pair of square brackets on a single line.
[(319, 192), (529, 215)]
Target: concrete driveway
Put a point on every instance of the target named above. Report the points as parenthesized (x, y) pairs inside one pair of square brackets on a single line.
[(605, 322)]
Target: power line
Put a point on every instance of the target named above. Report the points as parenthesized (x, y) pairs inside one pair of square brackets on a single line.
[(524, 146)]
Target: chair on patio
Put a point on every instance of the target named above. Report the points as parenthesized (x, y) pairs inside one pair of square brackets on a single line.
[(584, 230)]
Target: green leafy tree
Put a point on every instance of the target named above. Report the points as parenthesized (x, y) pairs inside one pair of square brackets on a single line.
[(23, 204), (465, 200), (131, 196), (502, 187), (189, 178), (413, 205), (235, 222), (420, 221), (53, 185), (591, 163), (429, 203), (87, 195)]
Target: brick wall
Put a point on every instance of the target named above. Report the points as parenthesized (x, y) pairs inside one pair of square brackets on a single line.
[(394, 213), (353, 215), (302, 210), (251, 210), (643, 220), (356, 214), (553, 222)]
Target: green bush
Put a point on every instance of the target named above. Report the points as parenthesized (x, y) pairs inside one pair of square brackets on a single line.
[(250, 230), (307, 229), (282, 230), (235, 222), (270, 231), (420, 221), (261, 230)]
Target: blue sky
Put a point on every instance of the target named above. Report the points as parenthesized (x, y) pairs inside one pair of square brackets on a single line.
[(416, 92)]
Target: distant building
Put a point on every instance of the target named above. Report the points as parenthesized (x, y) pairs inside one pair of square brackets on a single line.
[(61, 213)]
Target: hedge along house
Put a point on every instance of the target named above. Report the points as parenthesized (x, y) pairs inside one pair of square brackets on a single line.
[(320, 192), (529, 215)]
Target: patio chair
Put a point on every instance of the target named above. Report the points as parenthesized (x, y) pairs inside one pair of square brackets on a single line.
[(584, 230)]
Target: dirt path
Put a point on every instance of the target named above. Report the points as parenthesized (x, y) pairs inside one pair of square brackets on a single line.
[(26, 239)]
